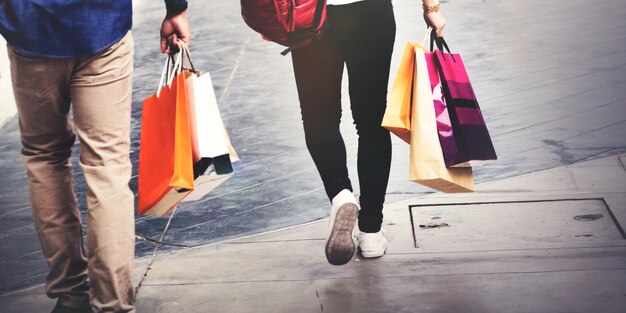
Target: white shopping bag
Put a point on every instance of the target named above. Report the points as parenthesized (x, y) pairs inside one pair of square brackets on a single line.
[(209, 136), (212, 151)]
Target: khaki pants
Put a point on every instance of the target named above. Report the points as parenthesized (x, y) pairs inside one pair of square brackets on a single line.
[(98, 87)]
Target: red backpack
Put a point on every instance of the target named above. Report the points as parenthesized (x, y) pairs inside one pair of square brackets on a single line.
[(291, 23)]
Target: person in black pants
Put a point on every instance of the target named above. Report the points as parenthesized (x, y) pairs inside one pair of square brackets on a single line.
[(361, 35)]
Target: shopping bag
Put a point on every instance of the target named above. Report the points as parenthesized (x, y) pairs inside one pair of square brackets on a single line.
[(453, 156), (426, 164), (210, 143), (209, 136), (469, 129), (211, 147), (165, 152), (209, 174), (397, 118)]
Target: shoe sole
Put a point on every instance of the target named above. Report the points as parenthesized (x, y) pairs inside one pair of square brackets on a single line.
[(340, 247)]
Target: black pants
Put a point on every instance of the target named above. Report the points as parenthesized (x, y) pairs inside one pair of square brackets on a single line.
[(361, 36)]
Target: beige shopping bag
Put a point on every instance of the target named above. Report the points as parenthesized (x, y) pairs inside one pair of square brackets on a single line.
[(212, 150), (427, 165)]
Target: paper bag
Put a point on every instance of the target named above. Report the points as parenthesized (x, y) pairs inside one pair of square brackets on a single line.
[(427, 165), (397, 118), (165, 154)]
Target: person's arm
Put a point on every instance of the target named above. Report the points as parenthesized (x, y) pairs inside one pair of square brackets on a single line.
[(433, 17), (174, 26)]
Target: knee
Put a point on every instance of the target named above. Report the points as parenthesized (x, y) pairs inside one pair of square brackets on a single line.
[(320, 126), (102, 154), (372, 130), (49, 148)]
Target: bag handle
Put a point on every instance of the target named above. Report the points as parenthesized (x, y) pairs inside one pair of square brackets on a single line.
[(164, 73), (185, 48), (173, 66), (441, 44), (426, 36), (178, 65)]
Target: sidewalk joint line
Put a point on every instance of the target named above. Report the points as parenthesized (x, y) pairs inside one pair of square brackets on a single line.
[(507, 250), (154, 252), (231, 78), (387, 277), (160, 242)]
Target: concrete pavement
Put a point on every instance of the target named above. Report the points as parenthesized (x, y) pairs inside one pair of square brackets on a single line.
[(549, 241)]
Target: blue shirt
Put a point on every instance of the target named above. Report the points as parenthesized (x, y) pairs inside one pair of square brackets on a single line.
[(67, 28)]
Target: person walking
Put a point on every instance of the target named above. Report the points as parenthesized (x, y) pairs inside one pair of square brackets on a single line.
[(78, 55), (361, 37)]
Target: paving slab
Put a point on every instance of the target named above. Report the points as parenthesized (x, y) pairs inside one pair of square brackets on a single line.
[(515, 225), (550, 247), (423, 292)]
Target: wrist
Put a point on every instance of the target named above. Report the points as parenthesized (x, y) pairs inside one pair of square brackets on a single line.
[(171, 15), (175, 7), (430, 7)]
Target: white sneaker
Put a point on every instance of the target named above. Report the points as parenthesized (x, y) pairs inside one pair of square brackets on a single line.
[(344, 213), (372, 245)]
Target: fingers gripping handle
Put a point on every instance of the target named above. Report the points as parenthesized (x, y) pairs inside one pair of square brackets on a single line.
[(441, 43), (173, 66)]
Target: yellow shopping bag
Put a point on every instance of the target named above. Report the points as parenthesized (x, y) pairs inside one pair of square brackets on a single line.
[(397, 118)]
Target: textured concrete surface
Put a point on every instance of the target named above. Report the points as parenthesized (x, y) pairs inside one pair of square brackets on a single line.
[(549, 81), (570, 258), (517, 251)]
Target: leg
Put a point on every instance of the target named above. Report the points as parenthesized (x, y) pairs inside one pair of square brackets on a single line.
[(101, 93), (41, 88), (318, 69), (368, 62)]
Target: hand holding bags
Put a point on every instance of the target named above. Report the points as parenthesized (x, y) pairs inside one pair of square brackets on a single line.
[(446, 126), (165, 157), (184, 149)]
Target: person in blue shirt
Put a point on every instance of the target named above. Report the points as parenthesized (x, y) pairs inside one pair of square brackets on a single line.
[(78, 55)]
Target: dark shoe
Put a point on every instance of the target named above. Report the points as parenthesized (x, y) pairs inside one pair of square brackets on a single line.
[(60, 308)]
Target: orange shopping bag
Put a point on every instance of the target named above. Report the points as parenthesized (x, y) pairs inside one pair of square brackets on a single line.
[(165, 154), (397, 118)]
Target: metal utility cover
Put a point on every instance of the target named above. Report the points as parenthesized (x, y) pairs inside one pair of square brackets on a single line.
[(515, 225)]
